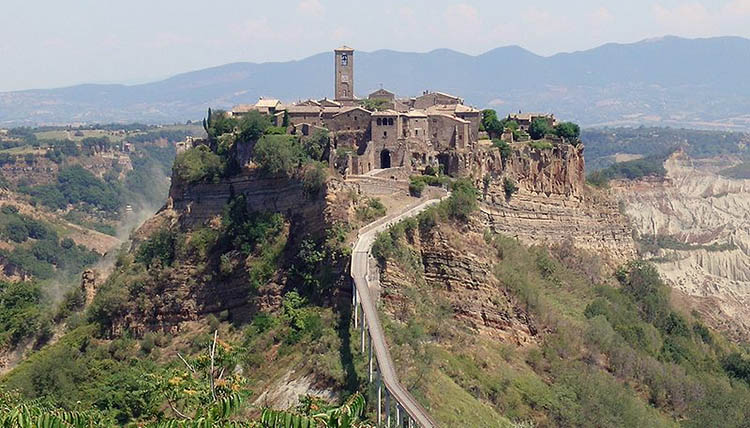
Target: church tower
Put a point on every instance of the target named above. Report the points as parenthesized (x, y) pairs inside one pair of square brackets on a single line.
[(344, 74)]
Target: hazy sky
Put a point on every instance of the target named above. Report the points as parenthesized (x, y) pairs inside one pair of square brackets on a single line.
[(51, 43)]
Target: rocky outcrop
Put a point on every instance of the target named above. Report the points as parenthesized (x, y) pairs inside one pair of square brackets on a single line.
[(199, 203), (89, 285), (705, 218), (456, 267), (552, 204)]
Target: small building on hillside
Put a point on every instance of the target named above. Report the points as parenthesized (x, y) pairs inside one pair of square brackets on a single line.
[(524, 120)]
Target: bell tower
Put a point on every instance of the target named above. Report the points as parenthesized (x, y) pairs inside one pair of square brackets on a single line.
[(344, 74)]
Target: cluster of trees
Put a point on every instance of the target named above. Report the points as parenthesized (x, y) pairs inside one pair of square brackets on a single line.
[(77, 185), (495, 127), (651, 166), (38, 250), (603, 143)]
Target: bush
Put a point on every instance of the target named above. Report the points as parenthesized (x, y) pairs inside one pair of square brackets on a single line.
[(509, 187), (539, 128), (504, 148), (314, 178), (463, 200), (370, 211), (198, 164), (278, 154), (160, 247), (416, 187)]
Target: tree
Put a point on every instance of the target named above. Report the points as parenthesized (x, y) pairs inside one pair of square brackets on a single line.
[(348, 415), (539, 128), (278, 154), (491, 123), (252, 126), (568, 131), (198, 164)]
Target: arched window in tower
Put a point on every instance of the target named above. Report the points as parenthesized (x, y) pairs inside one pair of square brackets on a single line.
[(344, 59)]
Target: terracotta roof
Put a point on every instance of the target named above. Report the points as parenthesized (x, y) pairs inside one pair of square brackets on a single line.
[(415, 113), (388, 113), (243, 108), (529, 116), (303, 109), (460, 108), (449, 116), (382, 92), (267, 103), (350, 109)]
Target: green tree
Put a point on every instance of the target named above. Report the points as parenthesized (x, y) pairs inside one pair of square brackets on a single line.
[(568, 131), (491, 123), (539, 128), (252, 126), (278, 154), (348, 415), (198, 164)]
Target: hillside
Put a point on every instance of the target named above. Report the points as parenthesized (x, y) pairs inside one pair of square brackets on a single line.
[(669, 81)]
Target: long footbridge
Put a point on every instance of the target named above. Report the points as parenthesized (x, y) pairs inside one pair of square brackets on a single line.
[(393, 400)]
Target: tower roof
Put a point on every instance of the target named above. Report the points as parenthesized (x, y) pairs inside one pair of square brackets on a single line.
[(345, 49)]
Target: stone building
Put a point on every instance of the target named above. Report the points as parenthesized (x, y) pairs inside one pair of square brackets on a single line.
[(524, 119), (410, 133)]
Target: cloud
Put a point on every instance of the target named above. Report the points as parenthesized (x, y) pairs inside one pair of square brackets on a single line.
[(461, 18), (694, 18), (601, 17), (311, 8)]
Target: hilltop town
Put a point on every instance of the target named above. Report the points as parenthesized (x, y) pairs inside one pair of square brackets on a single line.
[(384, 131)]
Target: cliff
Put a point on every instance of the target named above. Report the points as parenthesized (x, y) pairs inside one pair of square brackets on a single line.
[(552, 205), (693, 224)]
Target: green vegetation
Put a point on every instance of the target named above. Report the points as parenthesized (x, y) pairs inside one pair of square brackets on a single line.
[(77, 185), (510, 187), (375, 104), (505, 149), (198, 164), (539, 128), (606, 356), (371, 210), (540, 145), (491, 124), (652, 243), (38, 250), (416, 187), (741, 171), (279, 154), (569, 131), (652, 166), (603, 143)]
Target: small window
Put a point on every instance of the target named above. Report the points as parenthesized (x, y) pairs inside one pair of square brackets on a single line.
[(390, 122), (416, 132), (344, 60), (380, 122), (385, 134)]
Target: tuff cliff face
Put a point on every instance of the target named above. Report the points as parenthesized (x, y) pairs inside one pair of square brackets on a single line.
[(553, 205), (456, 266), (694, 225)]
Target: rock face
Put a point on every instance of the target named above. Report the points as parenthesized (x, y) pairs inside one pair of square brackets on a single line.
[(456, 266), (199, 203), (89, 285), (705, 216), (553, 205)]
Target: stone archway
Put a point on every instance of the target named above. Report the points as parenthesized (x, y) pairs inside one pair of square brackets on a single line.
[(385, 159)]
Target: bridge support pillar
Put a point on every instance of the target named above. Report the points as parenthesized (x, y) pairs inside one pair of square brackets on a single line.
[(380, 398), (369, 360), (398, 415), (354, 302), (362, 334), (387, 409)]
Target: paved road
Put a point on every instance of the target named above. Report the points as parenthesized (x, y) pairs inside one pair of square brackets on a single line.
[(359, 269)]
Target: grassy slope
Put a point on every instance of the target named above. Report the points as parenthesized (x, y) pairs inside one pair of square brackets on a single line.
[(615, 369)]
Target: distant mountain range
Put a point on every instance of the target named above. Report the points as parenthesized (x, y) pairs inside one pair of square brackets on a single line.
[(667, 81)]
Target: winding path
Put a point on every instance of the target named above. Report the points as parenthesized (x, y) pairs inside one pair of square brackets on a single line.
[(359, 273)]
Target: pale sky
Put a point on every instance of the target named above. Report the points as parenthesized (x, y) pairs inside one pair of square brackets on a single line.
[(52, 43)]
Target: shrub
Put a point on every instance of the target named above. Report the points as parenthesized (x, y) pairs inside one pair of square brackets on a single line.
[(198, 164), (370, 211), (463, 200), (161, 247), (539, 128), (278, 154), (509, 187), (416, 187), (504, 148), (314, 178)]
